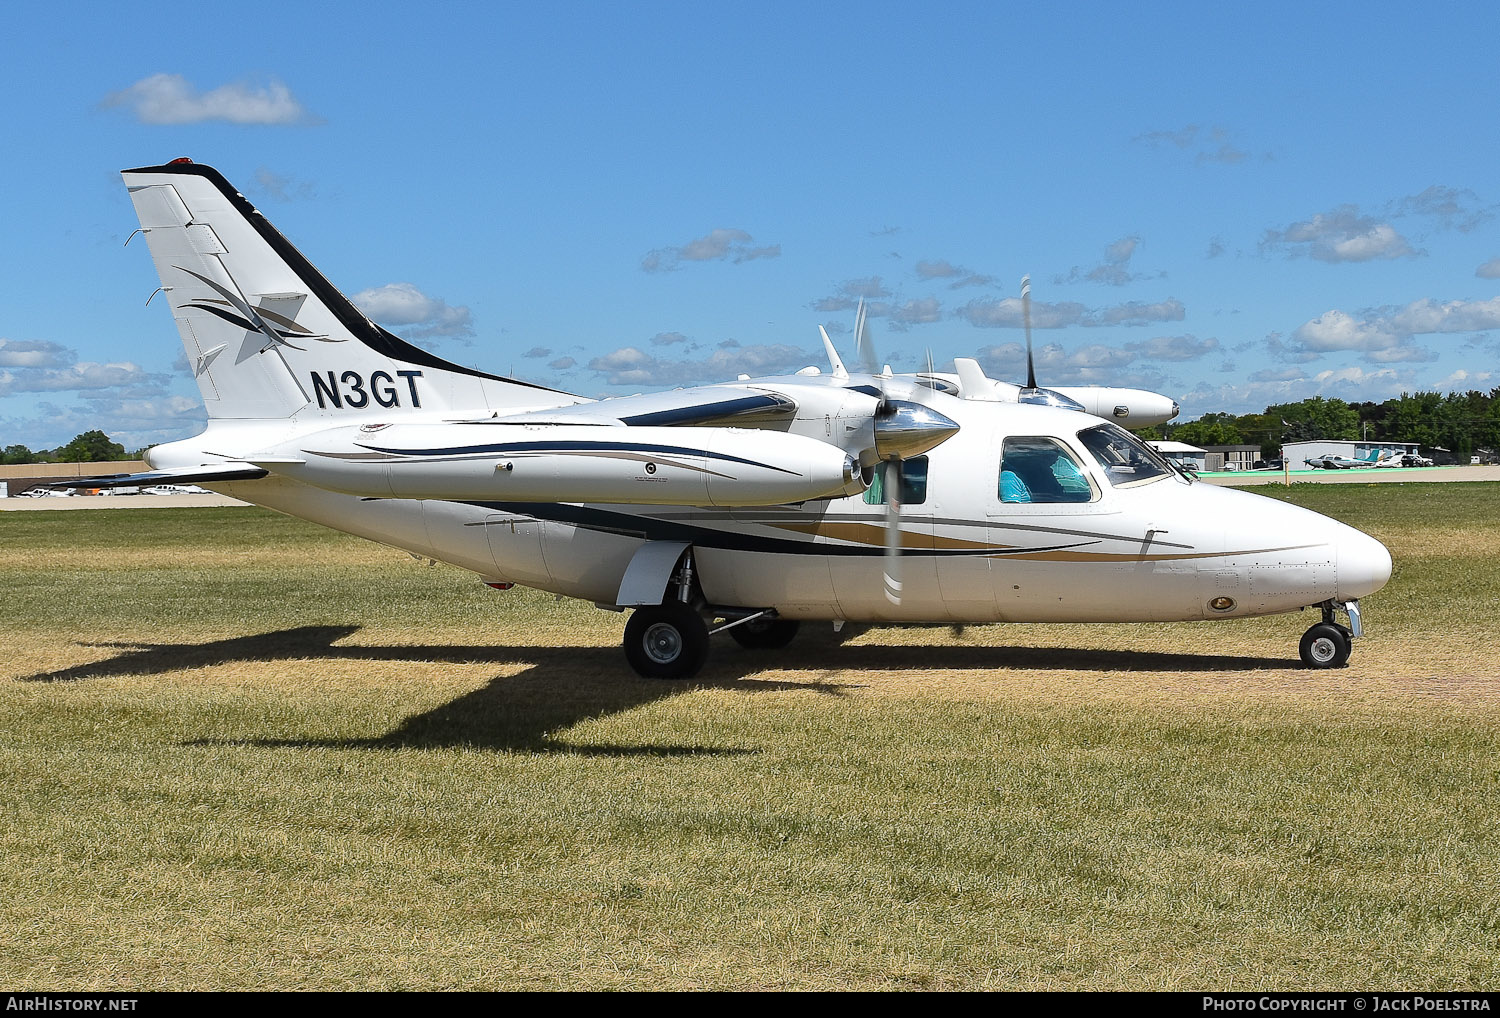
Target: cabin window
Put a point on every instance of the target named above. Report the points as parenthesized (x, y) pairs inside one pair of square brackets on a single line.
[(1125, 458), (1042, 470), (913, 474)]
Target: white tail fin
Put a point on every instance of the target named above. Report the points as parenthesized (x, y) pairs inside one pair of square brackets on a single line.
[(268, 337)]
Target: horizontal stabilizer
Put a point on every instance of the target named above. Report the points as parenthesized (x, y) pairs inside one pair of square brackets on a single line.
[(178, 475)]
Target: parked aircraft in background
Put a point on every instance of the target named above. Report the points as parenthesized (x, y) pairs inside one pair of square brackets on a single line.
[(744, 507), (1328, 461)]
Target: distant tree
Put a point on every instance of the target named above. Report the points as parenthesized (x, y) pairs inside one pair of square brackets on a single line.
[(1317, 418), (1412, 417), (15, 454), (1210, 429), (91, 447)]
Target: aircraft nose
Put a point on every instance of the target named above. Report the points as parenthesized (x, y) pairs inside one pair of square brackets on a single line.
[(1364, 564)]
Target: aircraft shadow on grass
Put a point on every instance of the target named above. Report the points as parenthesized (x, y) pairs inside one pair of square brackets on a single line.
[(565, 685)]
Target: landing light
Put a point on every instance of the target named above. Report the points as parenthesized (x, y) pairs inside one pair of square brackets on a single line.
[(1221, 604)]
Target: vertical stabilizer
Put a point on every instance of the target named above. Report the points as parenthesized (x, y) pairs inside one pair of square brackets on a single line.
[(268, 337)]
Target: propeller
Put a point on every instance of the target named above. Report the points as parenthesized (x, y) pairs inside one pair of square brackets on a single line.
[(1033, 393), (1026, 318), (902, 429)]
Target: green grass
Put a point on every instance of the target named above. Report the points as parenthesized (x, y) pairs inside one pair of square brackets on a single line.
[(301, 760)]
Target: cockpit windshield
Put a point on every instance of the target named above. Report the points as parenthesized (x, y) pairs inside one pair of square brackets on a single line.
[(1126, 460)]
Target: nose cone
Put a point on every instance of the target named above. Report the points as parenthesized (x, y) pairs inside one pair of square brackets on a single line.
[(1364, 564)]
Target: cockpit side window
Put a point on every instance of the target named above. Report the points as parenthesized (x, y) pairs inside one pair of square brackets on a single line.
[(1125, 458), (913, 474), (1042, 470)]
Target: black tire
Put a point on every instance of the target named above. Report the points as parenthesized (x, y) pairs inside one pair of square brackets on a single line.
[(1325, 645), (765, 634), (668, 641)]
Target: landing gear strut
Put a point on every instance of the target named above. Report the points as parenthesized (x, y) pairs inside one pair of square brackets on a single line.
[(765, 633), (1327, 644)]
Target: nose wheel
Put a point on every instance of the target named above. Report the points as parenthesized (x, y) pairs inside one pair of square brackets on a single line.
[(1327, 644)]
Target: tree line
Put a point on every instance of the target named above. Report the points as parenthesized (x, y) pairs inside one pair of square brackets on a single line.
[(89, 447), (1461, 422)]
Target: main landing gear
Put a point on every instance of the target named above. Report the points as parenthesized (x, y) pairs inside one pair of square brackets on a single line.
[(1327, 644), (670, 641)]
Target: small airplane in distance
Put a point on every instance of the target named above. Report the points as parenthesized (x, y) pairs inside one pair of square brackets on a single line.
[(1328, 461), (743, 507)]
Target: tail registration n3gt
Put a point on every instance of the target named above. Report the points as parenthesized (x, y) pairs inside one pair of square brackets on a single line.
[(745, 507)]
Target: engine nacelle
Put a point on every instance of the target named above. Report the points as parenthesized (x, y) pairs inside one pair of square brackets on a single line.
[(1130, 408), (568, 463)]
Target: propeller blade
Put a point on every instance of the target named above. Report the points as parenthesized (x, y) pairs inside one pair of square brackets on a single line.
[(1026, 318), (1032, 393), (867, 360), (893, 530)]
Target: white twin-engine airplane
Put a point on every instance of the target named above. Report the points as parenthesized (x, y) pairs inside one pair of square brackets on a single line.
[(744, 507)]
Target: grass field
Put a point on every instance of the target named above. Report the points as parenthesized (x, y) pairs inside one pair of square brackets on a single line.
[(238, 751)]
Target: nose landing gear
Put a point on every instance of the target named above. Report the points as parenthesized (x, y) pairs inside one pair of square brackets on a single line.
[(1327, 644)]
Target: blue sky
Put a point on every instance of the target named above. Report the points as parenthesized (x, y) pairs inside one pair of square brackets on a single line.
[(1234, 207)]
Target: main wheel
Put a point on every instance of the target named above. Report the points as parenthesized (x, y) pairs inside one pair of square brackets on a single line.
[(765, 634), (668, 641), (1325, 645)]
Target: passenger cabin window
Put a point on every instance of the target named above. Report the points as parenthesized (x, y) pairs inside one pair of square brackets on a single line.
[(1042, 470), (1125, 458), (913, 474)]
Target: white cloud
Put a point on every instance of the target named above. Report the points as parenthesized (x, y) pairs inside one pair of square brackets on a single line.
[(937, 269), (403, 304), (562, 364), (1174, 348), (172, 99), (717, 245), (85, 375), (1385, 335), (1342, 235), (1452, 208), (283, 188), (916, 312), (1278, 375), (940, 268), (1210, 145), (1113, 271), (33, 353), (850, 292), (1095, 364), (634, 367), (134, 423), (1006, 313), (1489, 270), (668, 339), (1350, 383), (1463, 381)]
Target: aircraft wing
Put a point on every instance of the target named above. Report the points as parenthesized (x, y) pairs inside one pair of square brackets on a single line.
[(178, 475), (725, 406)]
